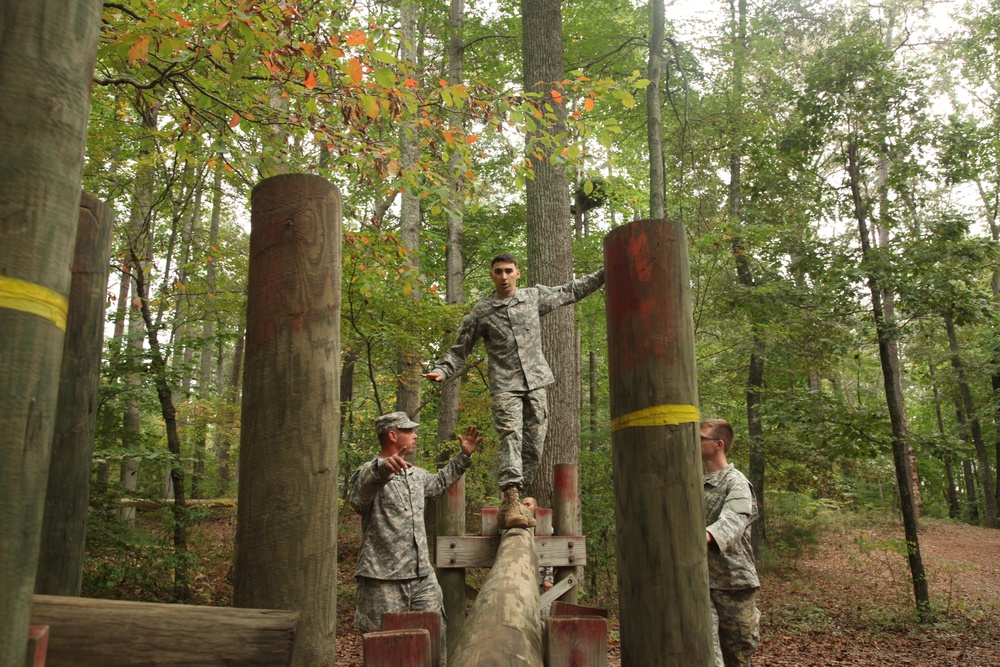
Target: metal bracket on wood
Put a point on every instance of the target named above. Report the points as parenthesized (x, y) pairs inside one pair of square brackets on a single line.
[(558, 589)]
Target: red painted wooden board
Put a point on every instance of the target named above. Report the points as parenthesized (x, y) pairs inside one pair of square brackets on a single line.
[(560, 608), (38, 644), (415, 620), (398, 648), (577, 641)]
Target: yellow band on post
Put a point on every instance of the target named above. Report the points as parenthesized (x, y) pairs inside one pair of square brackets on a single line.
[(16, 294), (657, 415)]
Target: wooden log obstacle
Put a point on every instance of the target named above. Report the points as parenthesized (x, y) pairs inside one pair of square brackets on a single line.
[(86, 632)]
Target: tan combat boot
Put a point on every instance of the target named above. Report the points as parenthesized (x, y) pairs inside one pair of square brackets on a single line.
[(512, 513)]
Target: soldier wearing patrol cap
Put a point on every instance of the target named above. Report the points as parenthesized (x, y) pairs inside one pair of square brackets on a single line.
[(394, 572)]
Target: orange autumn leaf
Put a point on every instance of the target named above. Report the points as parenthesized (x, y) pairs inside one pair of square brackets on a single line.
[(354, 70), (181, 21), (311, 81), (471, 138), (589, 104), (356, 38), (235, 120), (556, 97), (139, 49), (410, 83)]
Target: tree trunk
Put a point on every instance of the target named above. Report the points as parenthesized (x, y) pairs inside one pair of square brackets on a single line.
[(60, 561), (205, 388), (654, 121), (46, 63), (889, 360), (982, 456), (454, 264), (550, 245), (744, 273), (970, 491), (951, 494), (286, 531), (223, 442), (408, 364), (160, 372)]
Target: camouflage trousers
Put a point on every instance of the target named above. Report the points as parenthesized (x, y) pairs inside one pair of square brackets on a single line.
[(737, 626), (521, 419), (378, 596)]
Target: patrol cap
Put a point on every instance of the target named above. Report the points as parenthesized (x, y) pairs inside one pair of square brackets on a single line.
[(393, 420)]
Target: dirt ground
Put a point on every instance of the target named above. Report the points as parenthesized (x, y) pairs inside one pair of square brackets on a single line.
[(846, 601)]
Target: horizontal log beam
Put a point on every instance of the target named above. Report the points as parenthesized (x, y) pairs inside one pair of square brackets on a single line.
[(476, 551), (151, 504), (86, 632), (503, 627)]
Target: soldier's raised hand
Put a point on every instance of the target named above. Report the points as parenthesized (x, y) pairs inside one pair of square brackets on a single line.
[(470, 441)]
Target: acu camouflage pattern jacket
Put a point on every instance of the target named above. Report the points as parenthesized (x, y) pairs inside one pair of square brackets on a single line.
[(512, 334), (393, 537), (730, 508)]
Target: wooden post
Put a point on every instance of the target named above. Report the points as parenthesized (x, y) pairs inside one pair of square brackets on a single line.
[(60, 559), (576, 641), (451, 521), (286, 535), (489, 525), (395, 621), (662, 567), (503, 627), (543, 515), (565, 517), (38, 646), (405, 648), (46, 64), (87, 632)]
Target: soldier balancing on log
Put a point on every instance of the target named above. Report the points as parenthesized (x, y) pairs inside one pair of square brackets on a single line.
[(508, 323), (394, 571), (730, 508)]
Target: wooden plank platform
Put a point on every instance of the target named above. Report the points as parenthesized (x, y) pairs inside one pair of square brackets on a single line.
[(480, 551)]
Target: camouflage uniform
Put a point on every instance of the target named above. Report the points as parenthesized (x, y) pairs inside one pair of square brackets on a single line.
[(394, 571), (730, 508), (519, 374)]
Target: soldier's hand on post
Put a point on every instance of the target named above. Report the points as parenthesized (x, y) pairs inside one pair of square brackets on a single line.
[(437, 377), (471, 440)]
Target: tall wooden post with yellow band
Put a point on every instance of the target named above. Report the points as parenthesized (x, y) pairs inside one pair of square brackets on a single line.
[(662, 567)]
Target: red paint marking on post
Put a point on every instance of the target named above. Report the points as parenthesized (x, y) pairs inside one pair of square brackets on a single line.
[(564, 480), (38, 645)]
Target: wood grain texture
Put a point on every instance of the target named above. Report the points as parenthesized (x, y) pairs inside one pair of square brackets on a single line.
[(476, 551), (503, 628), (397, 648), (60, 558), (86, 632), (451, 521), (576, 641), (286, 536), (430, 621), (662, 568), (47, 53), (566, 520)]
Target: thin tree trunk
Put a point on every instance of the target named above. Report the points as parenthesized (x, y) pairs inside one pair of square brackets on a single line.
[(408, 364), (159, 371), (744, 273), (894, 400), (986, 477), (951, 494), (654, 121), (454, 264), (223, 442), (550, 244)]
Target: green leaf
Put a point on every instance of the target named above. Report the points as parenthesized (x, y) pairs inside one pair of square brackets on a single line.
[(384, 57), (385, 78)]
